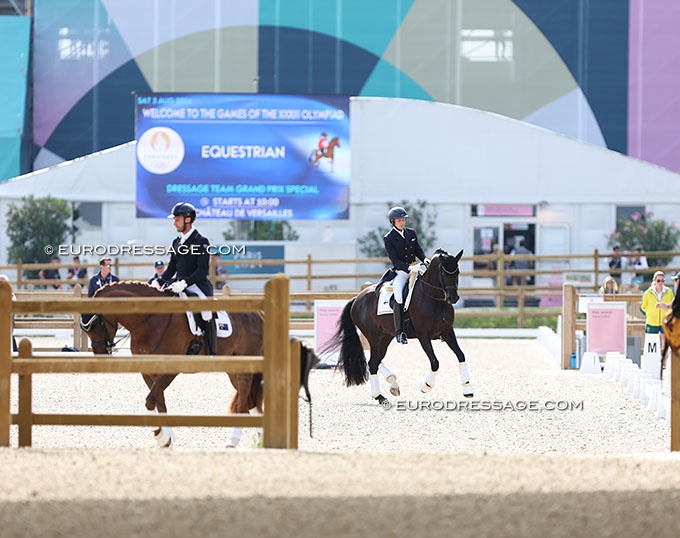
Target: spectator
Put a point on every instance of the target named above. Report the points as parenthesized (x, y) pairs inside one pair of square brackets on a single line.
[(656, 302), (52, 273), (492, 264), (159, 267), (616, 264), (609, 286), (638, 261), (3, 278), (76, 272), (220, 271), (522, 265), (103, 277)]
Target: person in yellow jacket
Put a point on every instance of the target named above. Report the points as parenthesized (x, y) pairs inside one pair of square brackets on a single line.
[(656, 303)]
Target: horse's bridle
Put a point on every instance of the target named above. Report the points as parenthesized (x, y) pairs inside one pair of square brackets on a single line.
[(448, 292), (108, 343)]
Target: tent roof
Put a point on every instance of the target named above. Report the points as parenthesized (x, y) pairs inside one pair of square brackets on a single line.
[(105, 176)]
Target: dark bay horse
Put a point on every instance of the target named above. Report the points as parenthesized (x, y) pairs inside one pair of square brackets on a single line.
[(317, 154), (430, 316), (170, 334)]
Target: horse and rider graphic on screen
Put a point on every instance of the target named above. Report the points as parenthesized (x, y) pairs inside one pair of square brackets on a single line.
[(325, 150)]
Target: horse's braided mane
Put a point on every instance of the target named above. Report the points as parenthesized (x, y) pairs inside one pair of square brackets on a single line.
[(142, 287)]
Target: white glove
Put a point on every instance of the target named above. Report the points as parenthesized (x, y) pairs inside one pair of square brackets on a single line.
[(155, 284), (178, 287), (426, 261)]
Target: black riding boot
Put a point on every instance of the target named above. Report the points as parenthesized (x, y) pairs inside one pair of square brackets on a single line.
[(211, 336), (399, 323)]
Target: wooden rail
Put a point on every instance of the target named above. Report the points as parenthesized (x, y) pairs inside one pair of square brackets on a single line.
[(278, 364), (495, 266)]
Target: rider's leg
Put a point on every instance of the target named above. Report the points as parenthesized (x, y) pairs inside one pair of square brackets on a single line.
[(398, 309), (210, 324)]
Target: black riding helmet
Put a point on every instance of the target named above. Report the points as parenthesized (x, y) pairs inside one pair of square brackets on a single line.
[(183, 209), (397, 213)]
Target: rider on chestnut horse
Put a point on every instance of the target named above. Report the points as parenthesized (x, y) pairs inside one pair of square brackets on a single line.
[(190, 262)]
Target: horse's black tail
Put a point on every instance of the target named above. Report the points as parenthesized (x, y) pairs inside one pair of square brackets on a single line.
[(352, 360)]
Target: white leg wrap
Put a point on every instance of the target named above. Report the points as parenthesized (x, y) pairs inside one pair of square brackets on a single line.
[(464, 373), (235, 437), (375, 385), (429, 383), (390, 378), (164, 437), (384, 370)]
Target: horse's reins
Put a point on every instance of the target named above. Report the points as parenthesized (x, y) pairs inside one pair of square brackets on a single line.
[(442, 287), (110, 343)]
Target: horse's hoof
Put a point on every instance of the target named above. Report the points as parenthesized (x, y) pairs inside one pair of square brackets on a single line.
[(233, 442), (383, 402), (468, 391), (425, 387), (163, 437), (394, 387)]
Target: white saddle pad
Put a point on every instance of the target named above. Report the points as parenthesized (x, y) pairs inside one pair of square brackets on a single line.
[(386, 291), (223, 322)]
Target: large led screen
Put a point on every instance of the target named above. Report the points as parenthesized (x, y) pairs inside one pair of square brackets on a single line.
[(243, 156)]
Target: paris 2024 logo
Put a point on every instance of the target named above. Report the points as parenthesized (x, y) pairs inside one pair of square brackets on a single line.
[(160, 150)]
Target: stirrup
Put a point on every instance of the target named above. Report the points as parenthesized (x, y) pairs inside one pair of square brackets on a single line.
[(401, 337)]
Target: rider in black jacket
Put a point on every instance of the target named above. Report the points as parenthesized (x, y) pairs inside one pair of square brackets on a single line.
[(190, 264), (402, 247)]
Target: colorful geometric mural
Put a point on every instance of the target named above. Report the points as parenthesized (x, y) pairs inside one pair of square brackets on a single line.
[(563, 65)]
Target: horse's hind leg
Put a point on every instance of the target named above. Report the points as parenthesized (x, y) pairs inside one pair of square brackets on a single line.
[(390, 378), (242, 401), (452, 342), (378, 350)]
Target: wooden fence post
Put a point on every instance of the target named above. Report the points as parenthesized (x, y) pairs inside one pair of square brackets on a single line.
[(276, 359), (25, 397), (5, 360), (568, 324)]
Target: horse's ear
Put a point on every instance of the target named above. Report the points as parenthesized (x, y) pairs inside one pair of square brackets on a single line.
[(459, 255)]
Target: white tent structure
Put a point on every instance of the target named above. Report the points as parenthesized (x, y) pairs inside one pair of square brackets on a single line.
[(457, 159)]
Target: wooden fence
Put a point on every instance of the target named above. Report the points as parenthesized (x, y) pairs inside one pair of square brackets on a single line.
[(496, 267), (279, 365), (571, 323)]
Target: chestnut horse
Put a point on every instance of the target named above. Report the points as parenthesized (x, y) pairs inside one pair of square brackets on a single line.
[(429, 316), (317, 155), (170, 334)]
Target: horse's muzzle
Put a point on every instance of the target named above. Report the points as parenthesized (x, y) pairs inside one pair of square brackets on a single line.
[(452, 295)]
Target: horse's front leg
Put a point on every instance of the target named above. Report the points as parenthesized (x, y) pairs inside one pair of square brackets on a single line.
[(157, 384), (452, 342), (431, 380)]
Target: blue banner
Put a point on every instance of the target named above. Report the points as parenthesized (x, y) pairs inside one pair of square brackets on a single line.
[(243, 156)]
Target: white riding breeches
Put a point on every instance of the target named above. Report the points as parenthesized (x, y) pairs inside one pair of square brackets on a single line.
[(398, 284), (207, 316)]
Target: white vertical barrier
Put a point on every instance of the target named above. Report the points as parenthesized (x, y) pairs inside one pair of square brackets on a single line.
[(651, 355), (590, 363)]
